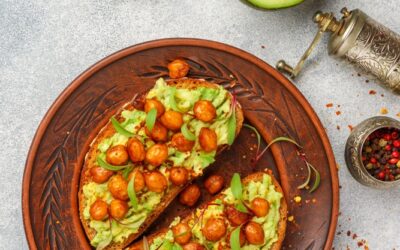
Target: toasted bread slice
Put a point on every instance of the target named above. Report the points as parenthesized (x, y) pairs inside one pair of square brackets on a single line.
[(281, 228), (108, 131)]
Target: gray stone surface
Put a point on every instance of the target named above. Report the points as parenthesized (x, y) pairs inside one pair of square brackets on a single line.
[(44, 45)]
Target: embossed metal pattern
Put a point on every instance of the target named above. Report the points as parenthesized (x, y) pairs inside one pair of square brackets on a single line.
[(354, 148), (377, 50), (270, 102)]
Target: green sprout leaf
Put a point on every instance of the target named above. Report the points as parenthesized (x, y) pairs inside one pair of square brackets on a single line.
[(121, 130), (308, 178), (278, 139), (241, 207), (186, 133), (126, 172), (132, 193), (235, 239), (102, 163), (172, 101), (151, 118), (317, 178), (232, 127), (257, 134), (236, 187)]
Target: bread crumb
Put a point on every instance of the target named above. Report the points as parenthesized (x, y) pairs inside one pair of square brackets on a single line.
[(338, 112), (384, 111), (297, 199), (290, 218), (329, 105)]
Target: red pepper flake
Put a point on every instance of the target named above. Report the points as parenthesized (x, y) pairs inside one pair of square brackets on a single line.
[(382, 95), (329, 105), (354, 236), (338, 112), (350, 127), (372, 92), (348, 233)]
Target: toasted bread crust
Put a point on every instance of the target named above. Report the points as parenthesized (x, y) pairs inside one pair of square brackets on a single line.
[(107, 131), (253, 177)]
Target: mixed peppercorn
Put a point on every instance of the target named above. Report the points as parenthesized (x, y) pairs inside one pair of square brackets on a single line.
[(381, 154)]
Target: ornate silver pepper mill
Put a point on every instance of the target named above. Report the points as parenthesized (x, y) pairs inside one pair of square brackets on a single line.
[(362, 41)]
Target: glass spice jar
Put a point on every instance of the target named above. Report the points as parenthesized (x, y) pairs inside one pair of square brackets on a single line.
[(354, 148)]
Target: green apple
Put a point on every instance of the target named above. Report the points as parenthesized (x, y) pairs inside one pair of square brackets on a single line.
[(274, 4)]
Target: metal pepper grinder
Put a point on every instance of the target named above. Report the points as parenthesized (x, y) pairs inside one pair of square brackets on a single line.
[(362, 41)]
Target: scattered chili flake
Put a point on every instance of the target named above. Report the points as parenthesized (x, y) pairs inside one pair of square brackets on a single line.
[(382, 95), (348, 233), (262, 46), (329, 105), (290, 218), (338, 112), (384, 111), (307, 201), (354, 236), (338, 127), (297, 199), (372, 92), (350, 127)]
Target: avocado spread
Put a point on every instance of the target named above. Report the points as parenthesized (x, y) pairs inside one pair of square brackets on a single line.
[(177, 99), (263, 189)]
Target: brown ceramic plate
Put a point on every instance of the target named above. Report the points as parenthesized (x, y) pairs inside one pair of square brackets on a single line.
[(270, 103)]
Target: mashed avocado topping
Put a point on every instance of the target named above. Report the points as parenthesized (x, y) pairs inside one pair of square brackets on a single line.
[(263, 189), (177, 99)]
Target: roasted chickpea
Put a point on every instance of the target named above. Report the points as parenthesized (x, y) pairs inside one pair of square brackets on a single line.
[(118, 209), (181, 143), (139, 182), (204, 111), (155, 181), (99, 210), (193, 246), (118, 187), (254, 233), (214, 183), (157, 154), (214, 229), (178, 175), (159, 133), (242, 237), (173, 120), (100, 175), (136, 150), (190, 195), (178, 68), (208, 139), (260, 207), (235, 217), (153, 103), (182, 233), (117, 155)]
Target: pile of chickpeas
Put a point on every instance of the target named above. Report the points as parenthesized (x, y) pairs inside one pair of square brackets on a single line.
[(135, 151), (215, 228)]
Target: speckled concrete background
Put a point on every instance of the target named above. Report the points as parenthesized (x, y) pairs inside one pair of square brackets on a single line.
[(44, 45)]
